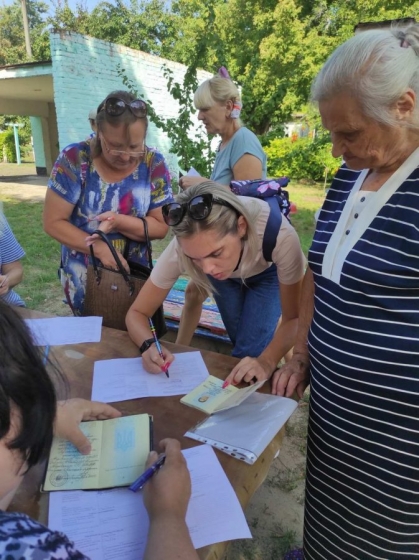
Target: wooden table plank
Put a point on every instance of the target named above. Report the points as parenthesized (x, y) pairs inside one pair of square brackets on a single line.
[(171, 419)]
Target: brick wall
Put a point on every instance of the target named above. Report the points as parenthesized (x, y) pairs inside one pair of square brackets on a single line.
[(85, 70)]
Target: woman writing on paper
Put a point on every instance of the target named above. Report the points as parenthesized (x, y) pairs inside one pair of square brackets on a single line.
[(240, 156), (29, 414), (358, 337), (219, 243), (106, 182)]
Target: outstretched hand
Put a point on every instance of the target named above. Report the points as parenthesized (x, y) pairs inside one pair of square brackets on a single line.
[(249, 369), (293, 376), (73, 411)]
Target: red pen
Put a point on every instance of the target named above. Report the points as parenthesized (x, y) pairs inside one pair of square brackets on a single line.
[(164, 367)]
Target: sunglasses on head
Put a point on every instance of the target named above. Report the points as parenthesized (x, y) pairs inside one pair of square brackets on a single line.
[(114, 107), (198, 208)]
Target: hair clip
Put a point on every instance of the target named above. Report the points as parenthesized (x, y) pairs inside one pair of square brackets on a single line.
[(237, 107), (224, 73)]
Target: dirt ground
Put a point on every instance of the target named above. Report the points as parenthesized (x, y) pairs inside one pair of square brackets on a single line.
[(275, 513)]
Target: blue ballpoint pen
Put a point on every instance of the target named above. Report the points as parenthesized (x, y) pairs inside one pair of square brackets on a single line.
[(165, 367), (141, 480)]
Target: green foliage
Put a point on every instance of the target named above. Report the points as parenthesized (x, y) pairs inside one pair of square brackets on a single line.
[(191, 151), (7, 145), (272, 49), (301, 159), (12, 39)]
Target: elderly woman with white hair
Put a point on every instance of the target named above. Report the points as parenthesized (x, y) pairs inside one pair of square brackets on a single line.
[(239, 157), (358, 337)]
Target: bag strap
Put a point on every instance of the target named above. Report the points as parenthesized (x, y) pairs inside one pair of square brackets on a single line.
[(273, 225), (147, 242), (121, 269)]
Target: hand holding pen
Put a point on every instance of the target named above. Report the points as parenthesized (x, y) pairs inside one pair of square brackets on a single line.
[(165, 366), (167, 493), (147, 474)]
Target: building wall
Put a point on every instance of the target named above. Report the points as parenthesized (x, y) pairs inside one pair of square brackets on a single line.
[(85, 70)]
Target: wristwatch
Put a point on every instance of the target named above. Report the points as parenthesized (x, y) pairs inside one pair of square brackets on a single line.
[(146, 344)]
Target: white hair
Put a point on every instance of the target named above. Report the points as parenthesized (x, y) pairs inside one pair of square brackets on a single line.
[(377, 67)]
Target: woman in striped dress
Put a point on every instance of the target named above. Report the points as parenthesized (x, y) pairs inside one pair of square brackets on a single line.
[(358, 340)]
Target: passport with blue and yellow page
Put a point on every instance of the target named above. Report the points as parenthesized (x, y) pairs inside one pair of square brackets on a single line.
[(120, 447), (210, 397)]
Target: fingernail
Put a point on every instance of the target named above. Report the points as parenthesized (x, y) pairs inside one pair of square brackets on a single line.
[(225, 384), (85, 450), (165, 367), (110, 219)]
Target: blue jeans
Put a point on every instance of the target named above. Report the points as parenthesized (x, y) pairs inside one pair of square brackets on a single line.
[(250, 311)]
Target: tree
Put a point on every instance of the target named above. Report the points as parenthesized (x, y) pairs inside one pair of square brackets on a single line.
[(12, 39)]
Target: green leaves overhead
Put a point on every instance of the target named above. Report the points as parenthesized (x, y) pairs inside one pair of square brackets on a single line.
[(272, 48)]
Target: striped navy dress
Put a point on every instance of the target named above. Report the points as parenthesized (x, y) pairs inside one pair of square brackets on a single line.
[(362, 493)]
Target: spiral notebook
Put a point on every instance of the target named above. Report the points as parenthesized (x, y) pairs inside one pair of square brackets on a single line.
[(246, 430)]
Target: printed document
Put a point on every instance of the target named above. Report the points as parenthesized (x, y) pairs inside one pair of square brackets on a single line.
[(56, 331), (125, 379), (113, 524)]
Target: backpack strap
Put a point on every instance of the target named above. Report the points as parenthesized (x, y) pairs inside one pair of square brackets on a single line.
[(272, 228)]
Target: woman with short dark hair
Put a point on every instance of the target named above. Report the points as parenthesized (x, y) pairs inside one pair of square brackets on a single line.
[(29, 415), (106, 182)]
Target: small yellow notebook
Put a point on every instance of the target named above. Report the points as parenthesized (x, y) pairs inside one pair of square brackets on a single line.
[(210, 397), (120, 447)]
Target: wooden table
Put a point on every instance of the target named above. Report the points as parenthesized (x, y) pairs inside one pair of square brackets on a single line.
[(171, 419)]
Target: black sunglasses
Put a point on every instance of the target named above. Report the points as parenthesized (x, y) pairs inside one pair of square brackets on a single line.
[(114, 107), (198, 208)]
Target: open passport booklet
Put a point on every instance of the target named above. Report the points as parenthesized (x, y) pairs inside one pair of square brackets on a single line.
[(120, 447), (210, 397), (242, 422)]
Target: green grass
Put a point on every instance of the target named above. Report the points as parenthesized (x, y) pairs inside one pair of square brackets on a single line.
[(41, 288), (308, 199)]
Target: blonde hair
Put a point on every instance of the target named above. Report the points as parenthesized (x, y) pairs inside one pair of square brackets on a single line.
[(216, 90), (376, 69), (222, 220)]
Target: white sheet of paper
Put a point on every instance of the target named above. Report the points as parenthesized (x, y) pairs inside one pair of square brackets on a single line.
[(113, 524), (125, 379), (65, 330), (193, 172)]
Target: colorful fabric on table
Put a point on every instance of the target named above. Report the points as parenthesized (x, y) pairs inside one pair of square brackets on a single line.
[(75, 179)]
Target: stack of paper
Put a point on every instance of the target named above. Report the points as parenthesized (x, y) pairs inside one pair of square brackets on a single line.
[(113, 524), (64, 330)]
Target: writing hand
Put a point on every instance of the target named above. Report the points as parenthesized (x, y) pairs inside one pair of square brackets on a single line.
[(248, 369), (73, 411), (293, 376), (167, 493), (153, 362)]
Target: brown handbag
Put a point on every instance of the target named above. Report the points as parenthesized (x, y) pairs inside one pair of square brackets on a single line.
[(110, 293)]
